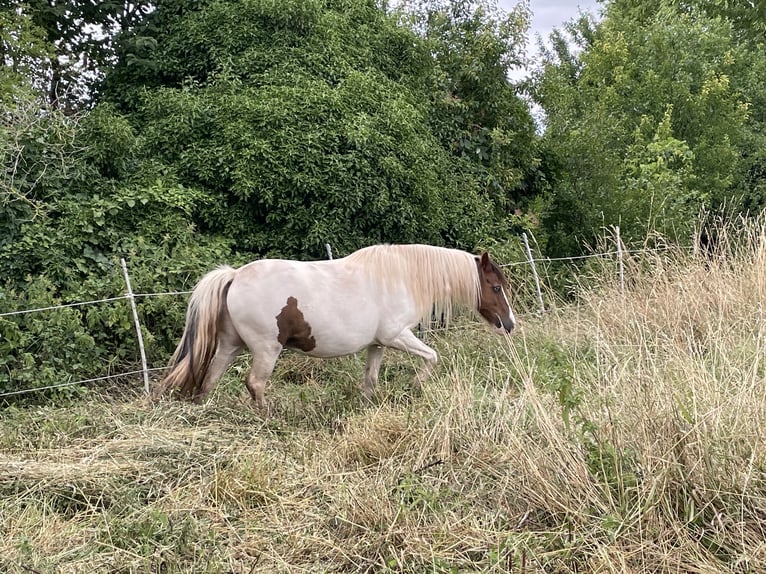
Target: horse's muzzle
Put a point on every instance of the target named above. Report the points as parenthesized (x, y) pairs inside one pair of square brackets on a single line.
[(505, 326)]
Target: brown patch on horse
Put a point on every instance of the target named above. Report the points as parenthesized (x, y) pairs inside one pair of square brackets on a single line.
[(294, 331)]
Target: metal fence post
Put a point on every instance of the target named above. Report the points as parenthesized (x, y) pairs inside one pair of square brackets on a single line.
[(621, 265), (139, 336), (534, 273)]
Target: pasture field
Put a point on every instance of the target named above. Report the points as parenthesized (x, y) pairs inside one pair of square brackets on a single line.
[(622, 433)]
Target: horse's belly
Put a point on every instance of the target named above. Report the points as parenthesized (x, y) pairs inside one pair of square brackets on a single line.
[(318, 329), (337, 338), (312, 309)]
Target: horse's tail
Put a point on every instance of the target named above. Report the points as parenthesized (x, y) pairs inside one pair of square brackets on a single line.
[(191, 359)]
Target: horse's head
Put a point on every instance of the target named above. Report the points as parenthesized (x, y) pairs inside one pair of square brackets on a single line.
[(493, 301)]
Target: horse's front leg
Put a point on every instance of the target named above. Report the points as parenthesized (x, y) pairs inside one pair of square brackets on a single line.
[(408, 342), (374, 357)]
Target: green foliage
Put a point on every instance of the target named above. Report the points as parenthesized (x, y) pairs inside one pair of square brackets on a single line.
[(313, 132), (476, 112), (748, 18), (69, 46), (659, 171), (39, 350), (35, 150), (305, 164), (22, 47), (69, 212), (648, 125)]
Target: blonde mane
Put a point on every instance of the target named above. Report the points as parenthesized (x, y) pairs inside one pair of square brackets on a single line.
[(437, 278)]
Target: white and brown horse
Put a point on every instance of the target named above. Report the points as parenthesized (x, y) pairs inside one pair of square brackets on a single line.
[(372, 298)]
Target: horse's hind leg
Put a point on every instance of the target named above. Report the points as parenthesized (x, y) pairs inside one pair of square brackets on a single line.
[(263, 364), (374, 357), (228, 348)]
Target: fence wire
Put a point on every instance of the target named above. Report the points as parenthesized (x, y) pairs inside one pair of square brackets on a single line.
[(75, 383), (63, 306), (95, 301), (592, 255), (421, 330)]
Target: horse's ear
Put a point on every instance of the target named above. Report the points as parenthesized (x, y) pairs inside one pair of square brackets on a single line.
[(485, 263)]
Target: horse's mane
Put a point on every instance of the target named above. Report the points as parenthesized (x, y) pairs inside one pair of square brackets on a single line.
[(437, 278)]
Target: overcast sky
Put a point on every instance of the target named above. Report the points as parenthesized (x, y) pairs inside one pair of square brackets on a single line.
[(547, 15)]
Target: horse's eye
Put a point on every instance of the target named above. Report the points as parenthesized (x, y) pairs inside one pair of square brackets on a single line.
[(497, 288)]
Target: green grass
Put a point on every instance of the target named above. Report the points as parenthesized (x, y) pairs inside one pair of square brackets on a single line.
[(620, 434)]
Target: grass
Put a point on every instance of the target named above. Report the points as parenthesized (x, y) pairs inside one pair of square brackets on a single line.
[(623, 433)]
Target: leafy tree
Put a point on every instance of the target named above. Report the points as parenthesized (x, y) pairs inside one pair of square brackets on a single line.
[(78, 46), (22, 46), (477, 113), (646, 123), (747, 17), (35, 150), (304, 122)]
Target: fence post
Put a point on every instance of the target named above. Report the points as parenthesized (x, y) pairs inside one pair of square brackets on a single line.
[(138, 326), (534, 272), (329, 250), (621, 265)]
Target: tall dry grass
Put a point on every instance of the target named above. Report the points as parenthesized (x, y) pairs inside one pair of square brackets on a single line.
[(620, 434)]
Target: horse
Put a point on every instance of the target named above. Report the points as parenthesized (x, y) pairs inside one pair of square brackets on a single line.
[(371, 298)]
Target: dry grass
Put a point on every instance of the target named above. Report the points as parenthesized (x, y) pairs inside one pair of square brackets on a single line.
[(623, 434)]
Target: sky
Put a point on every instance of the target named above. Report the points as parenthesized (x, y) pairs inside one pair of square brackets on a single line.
[(547, 15)]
